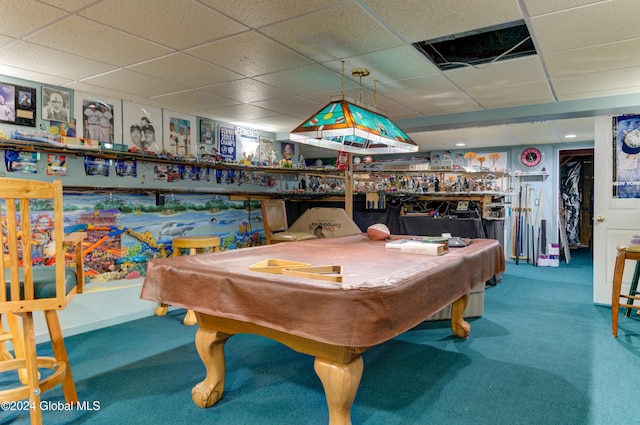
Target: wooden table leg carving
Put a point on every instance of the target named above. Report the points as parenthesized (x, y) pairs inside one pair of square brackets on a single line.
[(340, 382), (210, 347), (162, 309), (459, 326)]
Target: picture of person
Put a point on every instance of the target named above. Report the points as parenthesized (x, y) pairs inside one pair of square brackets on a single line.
[(55, 109), (91, 122), (25, 100), (6, 112), (179, 139), (71, 131), (149, 136), (135, 132), (287, 150), (207, 135), (106, 124)]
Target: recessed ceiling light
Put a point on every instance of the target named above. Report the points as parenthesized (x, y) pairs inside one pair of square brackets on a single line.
[(570, 136), (460, 144)]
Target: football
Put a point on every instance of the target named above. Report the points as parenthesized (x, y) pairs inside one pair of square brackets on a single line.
[(378, 232)]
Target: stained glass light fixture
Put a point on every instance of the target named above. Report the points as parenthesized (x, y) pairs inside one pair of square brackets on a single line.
[(347, 126)]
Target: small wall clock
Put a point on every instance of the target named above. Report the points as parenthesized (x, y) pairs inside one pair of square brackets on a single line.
[(531, 157)]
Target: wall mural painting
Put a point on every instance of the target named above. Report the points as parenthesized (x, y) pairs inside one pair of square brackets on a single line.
[(125, 230)]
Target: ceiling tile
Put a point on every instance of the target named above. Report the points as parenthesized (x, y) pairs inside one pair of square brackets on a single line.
[(246, 90), (26, 16), (427, 86), (624, 54), (310, 79), (31, 56), (242, 112), (512, 95), (595, 82), (396, 63), (173, 23), (335, 33), (583, 128), (69, 5), (180, 68), (540, 7), (101, 91), (442, 103), (419, 20), (599, 23), (134, 83), (188, 101), (526, 134), (28, 75), (86, 38), (295, 106), (249, 54), (257, 13), (497, 74)]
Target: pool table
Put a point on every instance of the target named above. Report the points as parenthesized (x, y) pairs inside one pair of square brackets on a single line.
[(383, 292)]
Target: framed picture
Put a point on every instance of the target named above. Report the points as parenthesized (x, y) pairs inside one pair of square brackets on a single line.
[(26, 102), (103, 121), (266, 150), (288, 150), (142, 127), (207, 131), (178, 135), (56, 104), (7, 103)]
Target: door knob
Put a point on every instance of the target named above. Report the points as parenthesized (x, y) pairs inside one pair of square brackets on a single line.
[(600, 218)]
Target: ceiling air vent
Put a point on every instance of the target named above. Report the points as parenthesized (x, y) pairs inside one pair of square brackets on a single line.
[(475, 48)]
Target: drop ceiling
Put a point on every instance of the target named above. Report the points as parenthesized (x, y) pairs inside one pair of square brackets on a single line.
[(275, 63)]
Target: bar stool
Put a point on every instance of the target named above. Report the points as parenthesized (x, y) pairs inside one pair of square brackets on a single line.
[(624, 253), (195, 245)]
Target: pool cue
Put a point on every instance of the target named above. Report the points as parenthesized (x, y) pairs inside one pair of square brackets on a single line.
[(537, 223), (518, 228), (528, 214), (531, 232)]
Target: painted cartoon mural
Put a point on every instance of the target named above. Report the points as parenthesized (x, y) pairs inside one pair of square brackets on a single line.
[(125, 230)]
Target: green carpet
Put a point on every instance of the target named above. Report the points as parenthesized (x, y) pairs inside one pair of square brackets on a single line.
[(541, 354)]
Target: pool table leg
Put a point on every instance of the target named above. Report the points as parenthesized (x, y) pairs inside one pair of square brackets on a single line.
[(210, 347), (340, 382), (460, 327)]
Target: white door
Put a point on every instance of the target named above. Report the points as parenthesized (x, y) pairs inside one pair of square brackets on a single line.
[(615, 220)]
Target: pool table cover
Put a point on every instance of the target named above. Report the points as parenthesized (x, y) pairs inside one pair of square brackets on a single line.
[(383, 293)]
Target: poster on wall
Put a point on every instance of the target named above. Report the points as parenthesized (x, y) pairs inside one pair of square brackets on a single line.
[(126, 168), (179, 133), (266, 150), (56, 104), (626, 152), (248, 138), (94, 166), (166, 172), (7, 103), (227, 143), (207, 129), (142, 128), (56, 165), (21, 162), (101, 117)]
